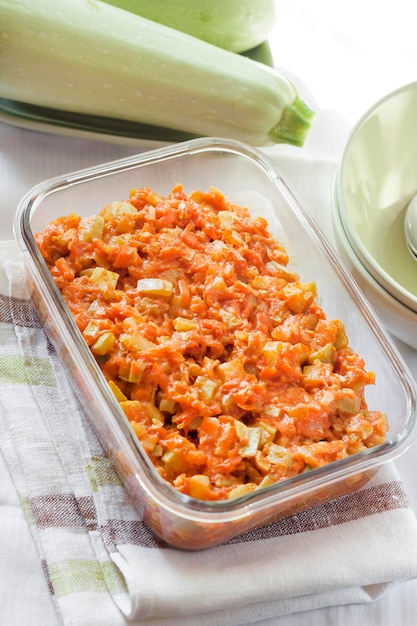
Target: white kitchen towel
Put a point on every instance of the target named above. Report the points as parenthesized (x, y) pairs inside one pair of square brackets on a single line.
[(104, 566)]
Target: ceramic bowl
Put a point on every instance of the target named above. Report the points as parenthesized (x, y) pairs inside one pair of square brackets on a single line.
[(398, 319), (375, 180)]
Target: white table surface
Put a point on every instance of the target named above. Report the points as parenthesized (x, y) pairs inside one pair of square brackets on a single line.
[(347, 55)]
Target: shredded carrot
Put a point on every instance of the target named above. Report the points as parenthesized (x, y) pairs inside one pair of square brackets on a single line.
[(221, 358)]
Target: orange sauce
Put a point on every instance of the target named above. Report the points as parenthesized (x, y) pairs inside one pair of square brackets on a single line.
[(221, 358)]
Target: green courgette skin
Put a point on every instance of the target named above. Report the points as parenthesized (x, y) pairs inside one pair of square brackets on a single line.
[(235, 25), (88, 57)]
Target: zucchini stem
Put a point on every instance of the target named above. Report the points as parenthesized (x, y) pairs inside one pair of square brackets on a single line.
[(294, 124)]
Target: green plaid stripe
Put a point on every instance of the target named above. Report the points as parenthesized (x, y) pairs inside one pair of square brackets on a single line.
[(101, 473), (83, 575), (27, 509), (16, 369)]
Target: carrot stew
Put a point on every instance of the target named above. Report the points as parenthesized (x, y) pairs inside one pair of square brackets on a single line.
[(221, 358)]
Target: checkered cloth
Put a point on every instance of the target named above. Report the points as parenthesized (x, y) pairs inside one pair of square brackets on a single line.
[(104, 566)]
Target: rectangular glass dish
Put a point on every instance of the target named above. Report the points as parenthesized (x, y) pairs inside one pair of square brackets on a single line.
[(246, 177)]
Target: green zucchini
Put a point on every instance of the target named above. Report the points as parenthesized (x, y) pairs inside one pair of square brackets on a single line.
[(235, 25), (88, 57)]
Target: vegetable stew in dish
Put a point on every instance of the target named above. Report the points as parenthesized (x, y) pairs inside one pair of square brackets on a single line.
[(222, 359)]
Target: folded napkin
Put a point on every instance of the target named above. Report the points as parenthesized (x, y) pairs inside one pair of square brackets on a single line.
[(104, 566)]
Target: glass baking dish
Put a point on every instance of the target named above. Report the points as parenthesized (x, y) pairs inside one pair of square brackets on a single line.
[(245, 176)]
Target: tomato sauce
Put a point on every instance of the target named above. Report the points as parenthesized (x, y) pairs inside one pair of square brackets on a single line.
[(227, 368)]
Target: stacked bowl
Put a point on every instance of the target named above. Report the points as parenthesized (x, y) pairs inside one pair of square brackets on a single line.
[(374, 183)]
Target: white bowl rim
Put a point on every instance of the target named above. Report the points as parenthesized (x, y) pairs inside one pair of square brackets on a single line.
[(397, 305), (380, 275), (398, 319)]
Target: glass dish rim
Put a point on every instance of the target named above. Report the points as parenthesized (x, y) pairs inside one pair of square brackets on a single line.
[(298, 485)]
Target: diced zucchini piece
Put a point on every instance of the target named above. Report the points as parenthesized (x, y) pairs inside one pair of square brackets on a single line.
[(120, 396), (241, 490), (184, 323), (324, 354), (227, 219), (200, 487), (272, 352), (233, 237), (278, 455), (266, 481), (207, 387), (104, 278), (90, 228), (104, 344), (117, 208), (229, 319), (350, 402), (155, 287), (230, 369), (135, 341), (341, 340), (249, 437), (174, 461)]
